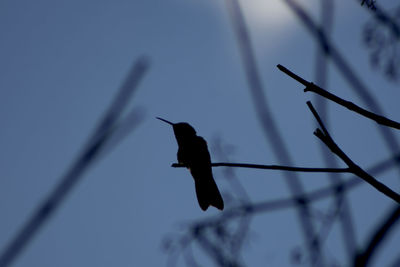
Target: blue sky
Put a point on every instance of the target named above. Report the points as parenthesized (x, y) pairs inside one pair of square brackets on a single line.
[(63, 61)]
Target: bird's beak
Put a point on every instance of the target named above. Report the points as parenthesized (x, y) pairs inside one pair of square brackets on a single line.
[(165, 121)]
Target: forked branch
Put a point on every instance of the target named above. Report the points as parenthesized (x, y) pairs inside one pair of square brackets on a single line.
[(325, 137)]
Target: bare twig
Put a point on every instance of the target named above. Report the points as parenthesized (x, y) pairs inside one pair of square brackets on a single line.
[(290, 202), (270, 167), (347, 72), (325, 137), (310, 87), (247, 209)]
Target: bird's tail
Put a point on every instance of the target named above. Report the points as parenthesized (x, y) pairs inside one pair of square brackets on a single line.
[(207, 193)]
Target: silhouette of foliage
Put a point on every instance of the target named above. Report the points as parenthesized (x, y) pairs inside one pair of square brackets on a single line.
[(381, 37), (369, 3)]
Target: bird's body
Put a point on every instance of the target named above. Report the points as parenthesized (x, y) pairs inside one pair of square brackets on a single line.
[(193, 153)]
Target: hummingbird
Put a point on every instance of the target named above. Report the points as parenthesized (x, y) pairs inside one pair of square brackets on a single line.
[(193, 154)]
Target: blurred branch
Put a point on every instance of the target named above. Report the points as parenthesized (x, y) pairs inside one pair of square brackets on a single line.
[(369, 4), (382, 16), (290, 202), (396, 262), (325, 137), (215, 251), (383, 47), (189, 257), (107, 127), (340, 207), (223, 153), (347, 72), (247, 209), (239, 234), (270, 167), (269, 127), (382, 232), (310, 87)]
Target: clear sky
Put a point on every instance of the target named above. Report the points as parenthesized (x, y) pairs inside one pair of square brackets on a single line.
[(61, 62)]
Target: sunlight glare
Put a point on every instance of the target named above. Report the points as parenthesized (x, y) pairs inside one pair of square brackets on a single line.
[(271, 13)]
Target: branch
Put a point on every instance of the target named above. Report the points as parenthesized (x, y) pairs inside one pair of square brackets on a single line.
[(369, 3), (216, 252), (340, 206), (382, 17), (91, 152), (325, 137), (269, 125), (381, 233), (310, 87), (343, 67), (290, 202), (270, 167)]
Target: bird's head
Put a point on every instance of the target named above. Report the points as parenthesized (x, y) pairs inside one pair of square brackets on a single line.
[(182, 130)]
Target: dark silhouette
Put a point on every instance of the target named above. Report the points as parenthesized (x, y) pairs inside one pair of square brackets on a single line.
[(193, 154)]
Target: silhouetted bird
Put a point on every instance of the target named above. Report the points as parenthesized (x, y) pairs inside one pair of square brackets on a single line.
[(193, 154)]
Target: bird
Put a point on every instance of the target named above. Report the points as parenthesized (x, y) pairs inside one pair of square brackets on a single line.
[(193, 154)]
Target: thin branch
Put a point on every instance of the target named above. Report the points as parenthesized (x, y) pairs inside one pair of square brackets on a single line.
[(325, 137), (91, 152), (269, 126), (347, 72), (353, 107), (237, 237), (341, 206), (230, 174), (216, 252), (382, 231), (284, 203), (271, 167), (293, 75), (290, 202), (310, 87)]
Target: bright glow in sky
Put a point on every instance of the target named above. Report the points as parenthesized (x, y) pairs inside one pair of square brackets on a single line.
[(267, 13)]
